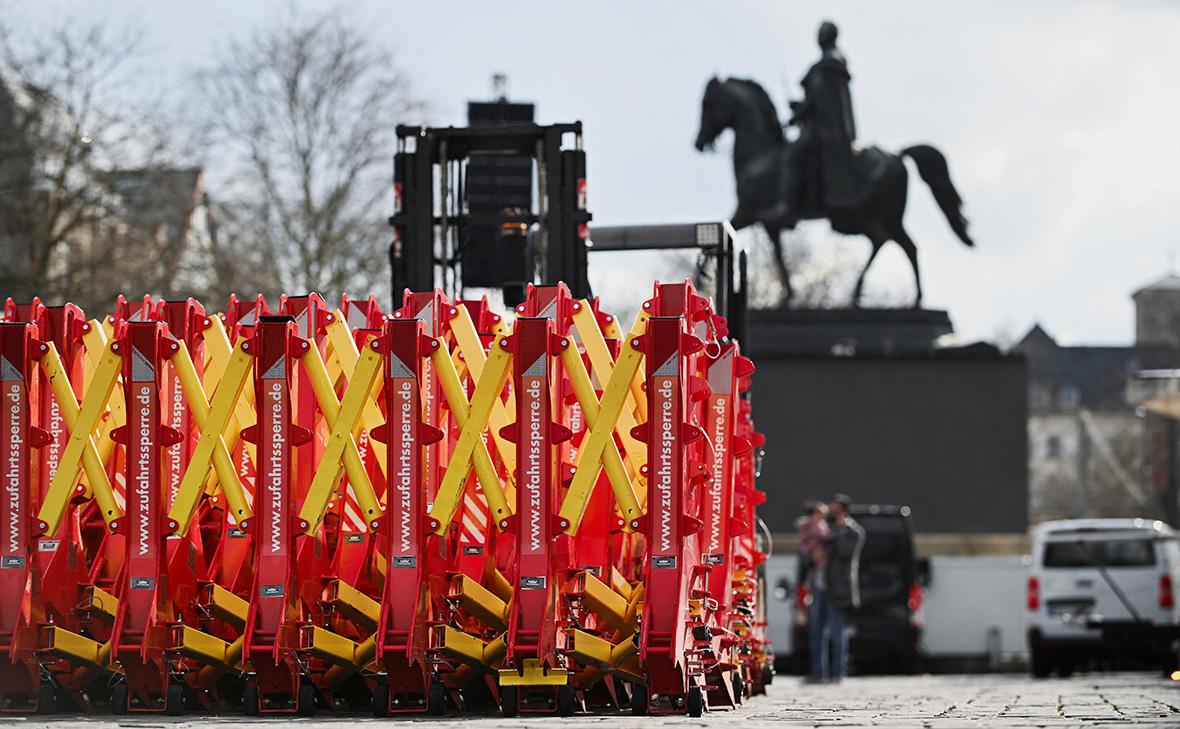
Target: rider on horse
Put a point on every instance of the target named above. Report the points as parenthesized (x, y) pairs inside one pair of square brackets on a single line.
[(821, 162)]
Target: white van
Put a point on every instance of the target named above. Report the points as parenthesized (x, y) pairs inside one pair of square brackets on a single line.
[(1102, 588)]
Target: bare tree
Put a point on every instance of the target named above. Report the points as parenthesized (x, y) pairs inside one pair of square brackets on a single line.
[(306, 108), (65, 126)]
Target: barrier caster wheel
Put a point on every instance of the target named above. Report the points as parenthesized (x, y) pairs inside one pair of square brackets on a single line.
[(381, 700), (566, 701), (46, 698), (436, 700), (305, 705), (696, 701), (119, 698), (639, 699), (174, 703), (508, 705), (250, 705), (739, 688)]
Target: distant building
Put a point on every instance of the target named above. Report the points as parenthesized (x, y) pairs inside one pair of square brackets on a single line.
[(72, 230), (1090, 452)]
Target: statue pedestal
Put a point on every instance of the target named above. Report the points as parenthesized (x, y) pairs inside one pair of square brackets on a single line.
[(864, 402), (846, 332)]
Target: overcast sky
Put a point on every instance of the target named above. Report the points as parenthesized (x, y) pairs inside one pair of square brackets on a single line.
[(1059, 120)]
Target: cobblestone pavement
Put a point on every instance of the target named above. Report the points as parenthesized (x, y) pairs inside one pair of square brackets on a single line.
[(1105, 700)]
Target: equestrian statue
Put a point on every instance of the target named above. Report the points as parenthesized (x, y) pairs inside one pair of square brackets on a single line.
[(823, 173)]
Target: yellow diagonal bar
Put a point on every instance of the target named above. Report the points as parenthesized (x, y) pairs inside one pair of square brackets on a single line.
[(96, 342), (217, 355), (603, 365), (80, 452), (487, 391), (343, 417), (601, 433), (612, 331), (612, 462), (212, 419), (471, 347), (485, 470), (344, 349)]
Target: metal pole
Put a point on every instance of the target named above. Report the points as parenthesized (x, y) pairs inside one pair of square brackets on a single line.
[(1172, 489), (444, 196)]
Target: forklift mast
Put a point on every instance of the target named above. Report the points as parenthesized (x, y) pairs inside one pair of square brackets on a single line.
[(432, 216)]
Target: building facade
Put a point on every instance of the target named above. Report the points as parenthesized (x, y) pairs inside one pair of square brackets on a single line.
[(1091, 450)]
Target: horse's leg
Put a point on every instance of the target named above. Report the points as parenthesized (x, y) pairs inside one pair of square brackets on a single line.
[(780, 262), (860, 281), (911, 252)]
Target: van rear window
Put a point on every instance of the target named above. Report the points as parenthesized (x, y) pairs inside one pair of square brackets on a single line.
[(1093, 553)]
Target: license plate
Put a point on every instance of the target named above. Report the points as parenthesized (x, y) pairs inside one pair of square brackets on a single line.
[(1068, 608)]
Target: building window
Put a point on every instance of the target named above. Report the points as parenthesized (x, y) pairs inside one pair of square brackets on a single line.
[(1041, 397), (1053, 447), (1068, 398)]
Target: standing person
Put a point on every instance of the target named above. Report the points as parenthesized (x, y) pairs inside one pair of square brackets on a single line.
[(814, 535), (843, 569)]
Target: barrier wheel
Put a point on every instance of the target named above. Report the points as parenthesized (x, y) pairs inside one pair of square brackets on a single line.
[(739, 688), (250, 700), (305, 702), (696, 701), (508, 705), (566, 700), (638, 699), (46, 698), (119, 697), (436, 700), (381, 700), (174, 702)]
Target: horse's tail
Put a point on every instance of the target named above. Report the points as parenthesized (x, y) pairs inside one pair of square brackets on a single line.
[(932, 167)]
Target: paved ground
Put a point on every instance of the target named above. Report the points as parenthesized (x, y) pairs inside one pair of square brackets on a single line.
[(1113, 700)]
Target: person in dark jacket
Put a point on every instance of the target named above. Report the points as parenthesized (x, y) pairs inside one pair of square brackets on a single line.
[(843, 590)]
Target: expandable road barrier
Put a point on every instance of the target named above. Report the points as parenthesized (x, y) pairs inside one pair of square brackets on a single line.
[(439, 509)]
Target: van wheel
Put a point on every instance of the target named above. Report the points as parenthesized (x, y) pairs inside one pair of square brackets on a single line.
[(1040, 664), (1065, 668)]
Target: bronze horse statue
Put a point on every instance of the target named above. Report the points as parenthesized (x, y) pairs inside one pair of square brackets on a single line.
[(761, 153)]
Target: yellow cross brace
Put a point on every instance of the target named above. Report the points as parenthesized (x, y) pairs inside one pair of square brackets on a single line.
[(217, 356), (96, 342), (80, 452), (612, 462), (469, 345), (212, 419), (590, 454), (343, 417), (345, 351), (602, 364), (472, 419)]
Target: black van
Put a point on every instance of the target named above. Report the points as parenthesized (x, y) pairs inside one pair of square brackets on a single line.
[(886, 630)]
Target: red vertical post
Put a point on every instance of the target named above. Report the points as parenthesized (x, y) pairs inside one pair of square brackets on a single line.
[(406, 530), (276, 609), (19, 670), (532, 629), (717, 506), (141, 630)]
